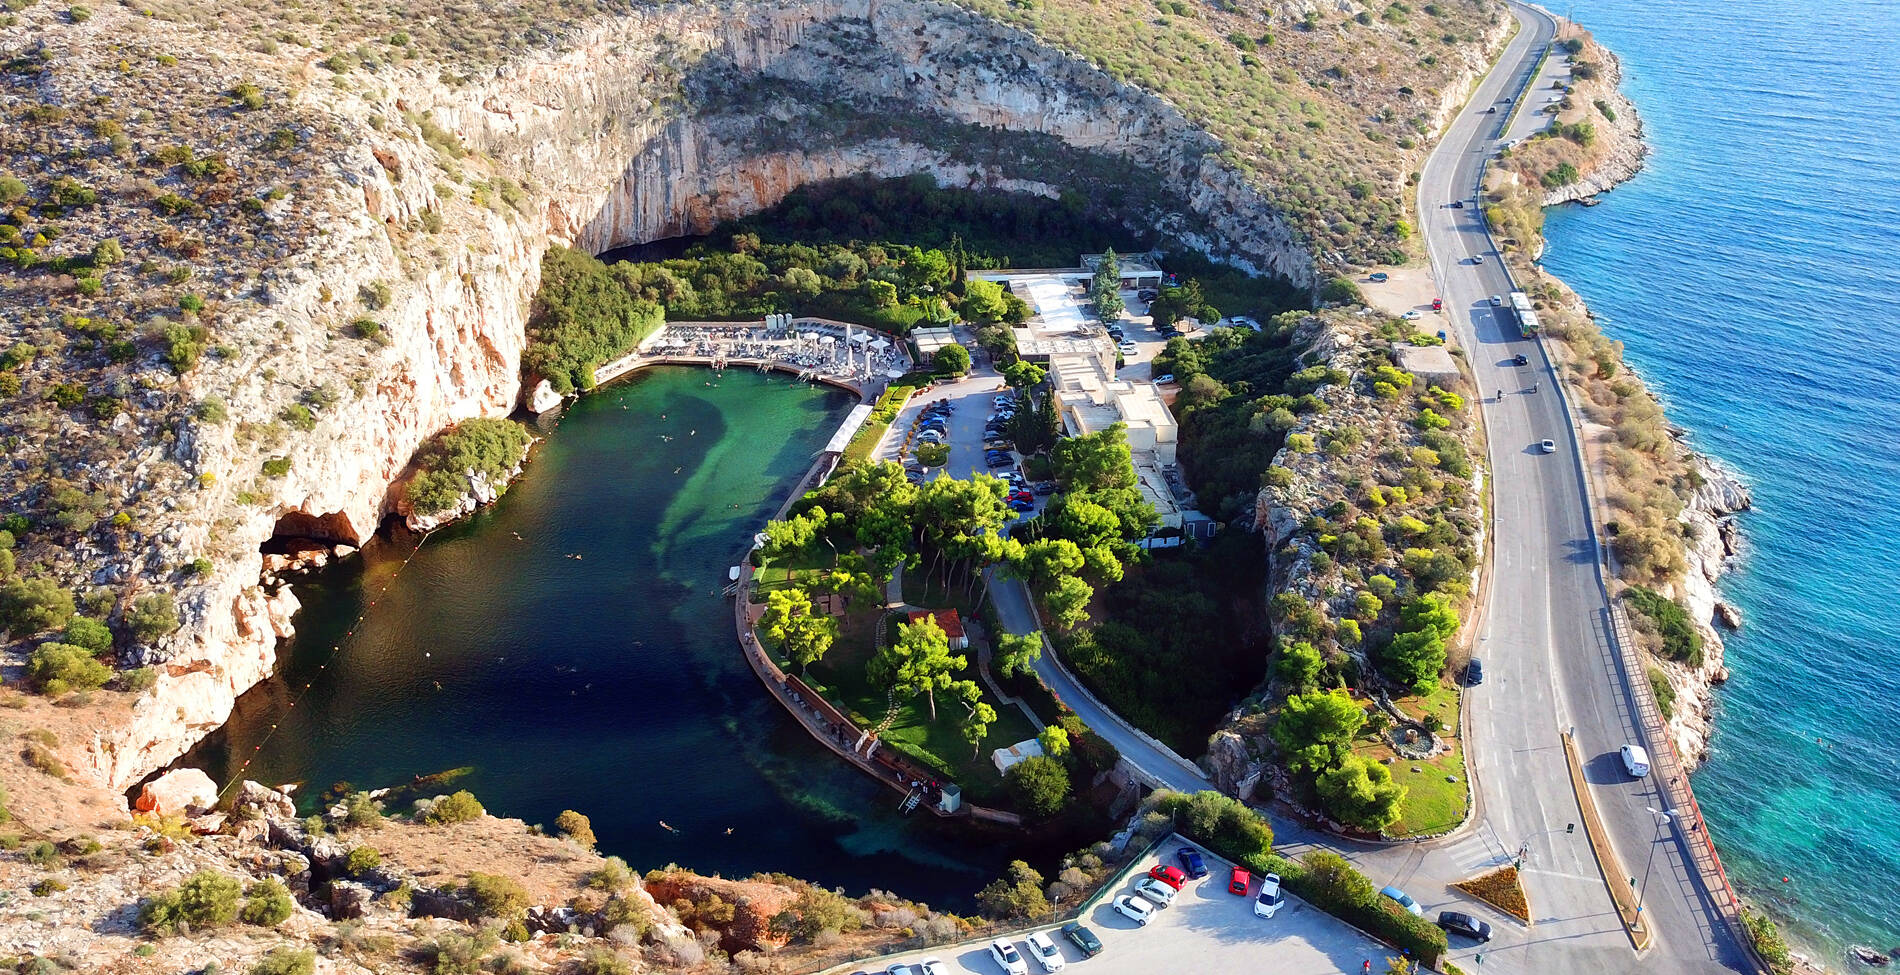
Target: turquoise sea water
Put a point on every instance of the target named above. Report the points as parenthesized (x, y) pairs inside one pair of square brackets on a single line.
[(610, 683), (1751, 272)]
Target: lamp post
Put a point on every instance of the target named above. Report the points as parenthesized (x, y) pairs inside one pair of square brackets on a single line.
[(1663, 818)]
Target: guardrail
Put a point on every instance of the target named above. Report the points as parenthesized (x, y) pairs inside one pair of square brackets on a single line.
[(1667, 763)]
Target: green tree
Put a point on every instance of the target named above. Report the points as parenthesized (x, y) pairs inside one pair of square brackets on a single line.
[(1039, 785), (1016, 653), (1415, 659), (1315, 729), (918, 661), (1054, 742), (1045, 560), (983, 301), (791, 623), (493, 895), (267, 903), (206, 899), (1068, 602), (458, 807), (91, 634), (976, 725), (1023, 374), (152, 616), (56, 668), (29, 606), (952, 359), (1300, 665), (1096, 461), (576, 827), (1105, 289), (1016, 894), (1361, 793)]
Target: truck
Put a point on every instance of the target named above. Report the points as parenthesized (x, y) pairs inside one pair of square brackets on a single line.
[(1526, 315)]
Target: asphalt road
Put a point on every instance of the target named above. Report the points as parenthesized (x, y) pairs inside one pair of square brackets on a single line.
[(1548, 658)]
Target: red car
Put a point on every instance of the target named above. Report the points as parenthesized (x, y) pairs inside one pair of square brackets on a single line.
[(1172, 876), (1238, 885), (1438, 304)]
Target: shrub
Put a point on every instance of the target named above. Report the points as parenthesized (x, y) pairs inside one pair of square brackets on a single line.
[(817, 912), (206, 899), (613, 875), (276, 467), (140, 680), (493, 895), (1018, 893), (267, 903), (488, 447), (1039, 785), (34, 605), (575, 827), (604, 961), (1768, 942), (90, 634), (299, 417), (459, 807), (362, 811), (362, 859), (452, 953), (56, 668), (1222, 824), (152, 616), (49, 886), (287, 961), (1680, 640)]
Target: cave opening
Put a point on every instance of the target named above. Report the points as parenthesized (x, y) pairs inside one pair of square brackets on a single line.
[(300, 531)]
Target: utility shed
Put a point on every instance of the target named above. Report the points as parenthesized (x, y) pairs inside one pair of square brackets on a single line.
[(1431, 363), (1004, 758)]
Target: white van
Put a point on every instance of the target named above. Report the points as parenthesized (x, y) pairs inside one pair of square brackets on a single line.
[(1636, 760)]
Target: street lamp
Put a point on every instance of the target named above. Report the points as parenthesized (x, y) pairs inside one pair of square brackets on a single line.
[(1663, 818)]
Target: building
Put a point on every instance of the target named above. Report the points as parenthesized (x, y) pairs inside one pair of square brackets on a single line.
[(949, 622), (1090, 399), (1431, 363), (1139, 270), (1005, 758), (928, 340)]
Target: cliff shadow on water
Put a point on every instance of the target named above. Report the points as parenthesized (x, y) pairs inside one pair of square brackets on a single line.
[(568, 648)]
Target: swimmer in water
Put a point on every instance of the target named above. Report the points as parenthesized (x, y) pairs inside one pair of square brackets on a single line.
[(664, 826)]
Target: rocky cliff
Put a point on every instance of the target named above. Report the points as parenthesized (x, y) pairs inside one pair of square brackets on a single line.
[(1714, 542), (1618, 126)]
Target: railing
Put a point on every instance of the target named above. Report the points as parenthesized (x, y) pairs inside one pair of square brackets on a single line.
[(1675, 779)]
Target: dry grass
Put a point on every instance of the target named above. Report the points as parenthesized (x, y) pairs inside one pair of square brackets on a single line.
[(1500, 889)]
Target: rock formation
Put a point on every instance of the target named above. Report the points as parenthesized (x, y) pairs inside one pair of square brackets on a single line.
[(1713, 542)]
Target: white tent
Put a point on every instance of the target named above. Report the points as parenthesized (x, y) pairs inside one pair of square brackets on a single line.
[(859, 338), (1004, 758), (881, 344), (828, 339)]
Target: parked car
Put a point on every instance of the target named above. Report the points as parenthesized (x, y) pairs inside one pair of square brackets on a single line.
[(1134, 908), (1438, 304), (1404, 900), (1128, 348), (1414, 315), (1172, 876), (1237, 884), (901, 969), (1008, 958), (1380, 277), (1458, 922), (1166, 377), (1547, 446), (1191, 862), (1044, 488), (1044, 951), (1147, 294), (1474, 672), (931, 436), (1082, 938), (995, 462), (1154, 890), (1635, 761), (1496, 301), (1271, 899), (1021, 505)]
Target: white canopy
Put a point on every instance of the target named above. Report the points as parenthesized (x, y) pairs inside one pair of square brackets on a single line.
[(828, 339), (859, 338), (894, 373), (881, 344)]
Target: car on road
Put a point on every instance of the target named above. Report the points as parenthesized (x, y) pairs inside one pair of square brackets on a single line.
[(1414, 315), (1166, 377), (1496, 301), (1154, 890), (903, 969), (1458, 922), (1404, 900), (1172, 876), (1477, 258), (1008, 958), (1474, 672), (1520, 359), (1128, 348), (1083, 939), (1547, 446), (1379, 276), (1134, 908), (1635, 761), (1457, 204), (1271, 899), (1238, 883), (1044, 951), (1190, 859)]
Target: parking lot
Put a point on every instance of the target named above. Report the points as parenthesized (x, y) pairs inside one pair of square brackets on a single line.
[(973, 399), (1206, 930)]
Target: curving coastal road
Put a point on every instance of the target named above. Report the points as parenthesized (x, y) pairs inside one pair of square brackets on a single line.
[(1550, 661)]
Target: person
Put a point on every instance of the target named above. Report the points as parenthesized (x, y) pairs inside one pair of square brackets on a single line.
[(1500, 392), (1533, 387)]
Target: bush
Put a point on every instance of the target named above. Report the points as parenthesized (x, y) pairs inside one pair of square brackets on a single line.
[(362, 812), (457, 808), (493, 895), (362, 859), (56, 668), (817, 912), (206, 899), (287, 961), (1222, 824), (152, 616), (1039, 785), (1680, 640), (89, 634), (488, 447), (33, 605), (452, 953), (575, 827), (1768, 942), (267, 904), (613, 875), (1016, 894), (1327, 880), (952, 360)]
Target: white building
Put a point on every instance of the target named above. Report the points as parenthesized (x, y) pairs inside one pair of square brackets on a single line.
[(1090, 399)]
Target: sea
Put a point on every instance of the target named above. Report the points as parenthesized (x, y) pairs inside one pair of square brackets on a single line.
[(569, 647), (1752, 273)]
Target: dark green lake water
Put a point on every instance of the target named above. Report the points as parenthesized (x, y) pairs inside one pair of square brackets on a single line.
[(612, 683)]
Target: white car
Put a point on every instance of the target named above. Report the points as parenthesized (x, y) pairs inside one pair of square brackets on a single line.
[(1134, 908), (1547, 446), (1477, 258), (1155, 890), (1129, 348), (1008, 958), (1045, 952), (902, 969), (1270, 900), (1496, 301), (932, 966), (1414, 315)]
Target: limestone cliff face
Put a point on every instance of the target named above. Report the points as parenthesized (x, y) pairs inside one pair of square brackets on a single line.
[(1712, 542), (1624, 147), (409, 314)]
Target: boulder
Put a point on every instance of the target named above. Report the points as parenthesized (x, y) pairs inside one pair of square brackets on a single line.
[(1728, 615), (349, 899), (265, 800), (179, 791), (544, 398)]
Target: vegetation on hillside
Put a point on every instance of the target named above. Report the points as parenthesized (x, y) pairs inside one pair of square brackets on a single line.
[(478, 448)]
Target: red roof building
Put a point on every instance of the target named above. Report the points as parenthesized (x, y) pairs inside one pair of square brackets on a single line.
[(949, 622)]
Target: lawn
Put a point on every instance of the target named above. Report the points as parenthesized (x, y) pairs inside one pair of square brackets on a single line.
[(787, 570), (866, 439), (937, 745), (1432, 805)]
